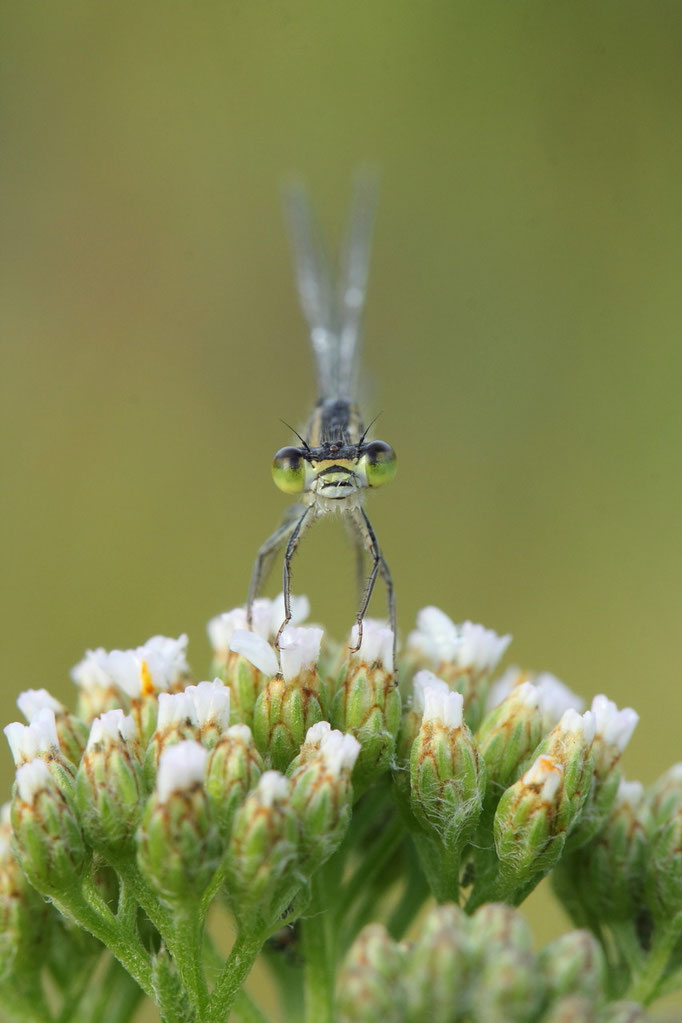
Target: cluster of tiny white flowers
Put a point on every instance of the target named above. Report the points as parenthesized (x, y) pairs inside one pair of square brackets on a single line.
[(38, 738), (444, 707), (162, 658), (267, 616), (112, 727)]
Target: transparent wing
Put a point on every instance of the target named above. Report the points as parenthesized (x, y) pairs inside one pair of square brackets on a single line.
[(316, 292), (352, 287)]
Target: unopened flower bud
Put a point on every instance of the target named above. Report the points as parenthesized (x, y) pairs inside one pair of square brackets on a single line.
[(414, 711), (437, 967), (446, 775), (609, 873), (97, 692), (508, 986), (462, 655), (613, 731), (212, 709), (322, 796), (570, 744), (292, 701), (574, 964), (47, 834), (176, 722), (261, 857), (528, 832), (370, 986), (177, 845), (310, 746), (23, 912), (109, 785), (555, 697), (508, 734), (368, 704), (232, 771), (39, 740), (72, 733), (663, 863)]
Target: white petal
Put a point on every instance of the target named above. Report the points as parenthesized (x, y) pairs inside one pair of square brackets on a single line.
[(112, 727), (29, 741), (339, 751), (547, 773), (256, 650), (175, 709), (221, 627)]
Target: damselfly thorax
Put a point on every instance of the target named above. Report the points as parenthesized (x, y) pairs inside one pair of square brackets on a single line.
[(335, 463)]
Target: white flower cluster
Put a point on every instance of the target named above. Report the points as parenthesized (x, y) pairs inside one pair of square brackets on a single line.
[(377, 643), (207, 703), (299, 651), (268, 615)]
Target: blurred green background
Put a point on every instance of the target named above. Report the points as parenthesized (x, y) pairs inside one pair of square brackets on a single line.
[(522, 332)]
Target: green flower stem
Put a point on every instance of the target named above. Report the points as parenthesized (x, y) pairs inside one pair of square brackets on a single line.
[(319, 969), (186, 949), (181, 932), (124, 944), (235, 971), (644, 985), (415, 894), (441, 866)]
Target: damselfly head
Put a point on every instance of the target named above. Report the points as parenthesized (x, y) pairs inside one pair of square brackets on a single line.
[(334, 470)]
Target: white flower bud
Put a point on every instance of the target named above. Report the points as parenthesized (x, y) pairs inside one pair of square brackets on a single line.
[(30, 741), (544, 774), (339, 751), (299, 650), (91, 673), (443, 707), (181, 767), (613, 727), (422, 680), (211, 703), (32, 700), (175, 709), (112, 727), (272, 788), (32, 777), (377, 643)]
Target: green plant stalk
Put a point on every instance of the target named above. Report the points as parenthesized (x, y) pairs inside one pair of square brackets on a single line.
[(235, 971), (319, 958)]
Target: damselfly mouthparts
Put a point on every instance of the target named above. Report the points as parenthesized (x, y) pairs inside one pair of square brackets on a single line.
[(335, 462)]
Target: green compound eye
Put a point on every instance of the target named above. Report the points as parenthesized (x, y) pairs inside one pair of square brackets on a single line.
[(288, 470), (380, 463)]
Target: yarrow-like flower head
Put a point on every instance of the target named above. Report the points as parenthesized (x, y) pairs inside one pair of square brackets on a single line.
[(181, 768), (267, 616), (467, 646), (377, 643)]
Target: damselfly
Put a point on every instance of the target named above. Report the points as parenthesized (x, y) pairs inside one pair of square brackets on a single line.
[(335, 463)]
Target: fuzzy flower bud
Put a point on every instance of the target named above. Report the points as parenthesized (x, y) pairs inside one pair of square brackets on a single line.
[(39, 740), (261, 858), (212, 709), (370, 984), (528, 833), (252, 661), (109, 785), (570, 744), (322, 796), (438, 965), (97, 692), (574, 964), (613, 730), (368, 704), (292, 701), (72, 733), (446, 775), (23, 913), (508, 985), (176, 722), (555, 697), (462, 655), (662, 818), (177, 846), (47, 834), (232, 771), (508, 734)]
